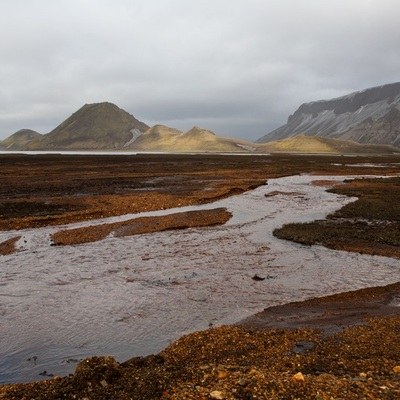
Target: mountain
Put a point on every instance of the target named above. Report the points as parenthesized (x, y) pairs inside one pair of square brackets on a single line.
[(163, 138), (99, 126), (383, 130), (19, 140), (104, 126), (320, 145), (367, 116)]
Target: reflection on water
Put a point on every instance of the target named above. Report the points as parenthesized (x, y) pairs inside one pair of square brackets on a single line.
[(135, 295)]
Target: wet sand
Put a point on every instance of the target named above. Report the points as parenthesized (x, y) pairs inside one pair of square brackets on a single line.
[(231, 362), (331, 314)]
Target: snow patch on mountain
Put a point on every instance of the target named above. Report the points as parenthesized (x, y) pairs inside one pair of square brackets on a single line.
[(135, 135)]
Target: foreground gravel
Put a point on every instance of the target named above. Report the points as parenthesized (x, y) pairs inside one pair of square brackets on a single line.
[(362, 361)]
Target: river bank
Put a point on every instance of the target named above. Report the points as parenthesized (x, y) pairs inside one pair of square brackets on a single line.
[(360, 360)]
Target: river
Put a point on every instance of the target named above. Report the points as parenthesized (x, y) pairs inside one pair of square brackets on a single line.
[(135, 295)]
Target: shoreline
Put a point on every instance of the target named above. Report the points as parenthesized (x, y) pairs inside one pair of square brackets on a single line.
[(301, 349), (332, 314)]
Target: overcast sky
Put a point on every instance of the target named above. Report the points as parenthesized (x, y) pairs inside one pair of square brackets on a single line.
[(237, 67)]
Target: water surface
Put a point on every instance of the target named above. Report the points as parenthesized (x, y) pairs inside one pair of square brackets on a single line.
[(135, 295)]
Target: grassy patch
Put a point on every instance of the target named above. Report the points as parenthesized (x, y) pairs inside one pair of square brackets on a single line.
[(378, 199), (369, 225)]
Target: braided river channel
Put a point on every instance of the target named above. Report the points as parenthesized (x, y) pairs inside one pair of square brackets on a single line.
[(134, 295)]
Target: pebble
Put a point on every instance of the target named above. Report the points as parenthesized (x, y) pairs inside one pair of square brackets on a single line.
[(222, 375), (216, 394), (299, 377)]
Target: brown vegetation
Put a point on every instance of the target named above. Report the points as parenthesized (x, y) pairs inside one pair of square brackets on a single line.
[(8, 246), (57, 189), (369, 225), (188, 219)]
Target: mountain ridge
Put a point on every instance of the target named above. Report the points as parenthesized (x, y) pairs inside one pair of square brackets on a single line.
[(164, 138), (106, 127), (347, 117)]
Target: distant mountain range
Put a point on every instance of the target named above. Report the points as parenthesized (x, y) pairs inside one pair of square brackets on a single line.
[(370, 116)]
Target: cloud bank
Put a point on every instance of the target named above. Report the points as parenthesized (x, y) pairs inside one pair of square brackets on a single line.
[(236, 67)]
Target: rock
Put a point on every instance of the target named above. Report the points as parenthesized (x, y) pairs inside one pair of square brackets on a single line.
[(216, 394), (299, 377), (396, 369), (96, 370), (222, 375), (302, 347), (253, 372)]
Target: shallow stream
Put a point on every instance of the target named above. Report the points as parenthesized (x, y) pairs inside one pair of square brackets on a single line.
[(134, 295)]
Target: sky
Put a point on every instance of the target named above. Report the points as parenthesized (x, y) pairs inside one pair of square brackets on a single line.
[(237, 67)]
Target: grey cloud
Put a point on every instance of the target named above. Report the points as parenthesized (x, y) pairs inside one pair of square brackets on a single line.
[(238, 68)]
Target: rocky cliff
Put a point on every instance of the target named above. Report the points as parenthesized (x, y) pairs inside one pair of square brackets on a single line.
[(369, 116)]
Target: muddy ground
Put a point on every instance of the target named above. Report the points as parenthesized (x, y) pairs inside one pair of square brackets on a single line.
[(341, 347)]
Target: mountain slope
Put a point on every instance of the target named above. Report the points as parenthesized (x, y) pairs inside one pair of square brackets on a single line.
[(163, 138), (19, 140), (320, 145), (99, 126), (368, 116), (104, 126), (383, 130)]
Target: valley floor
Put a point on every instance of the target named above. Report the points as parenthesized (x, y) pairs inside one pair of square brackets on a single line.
[(321, 348)]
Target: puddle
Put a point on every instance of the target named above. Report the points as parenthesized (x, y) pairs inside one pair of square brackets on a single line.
[(135, 295)]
